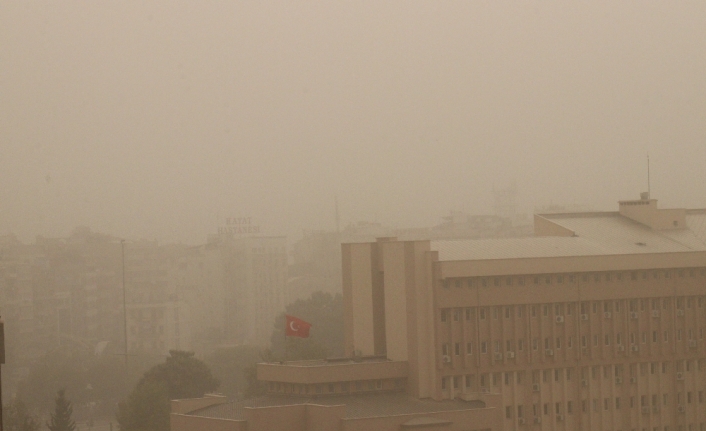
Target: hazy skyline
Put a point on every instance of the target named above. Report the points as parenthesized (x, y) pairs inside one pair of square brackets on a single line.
[(150, 119)]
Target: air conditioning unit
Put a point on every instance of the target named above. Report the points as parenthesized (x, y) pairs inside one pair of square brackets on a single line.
[(559, 319), (655, 313), (618, 380), (680, 312), (485, 390), (681, 409), (692, 344), (680, 375), (645, 410), (510, 355), (559, 417), (634, 315), (621, 348), (607, 314), (655, 409), (584, 317), (633, 380), (538, 420), (535, 387), (498, 356), (584, 382), (635, 348), (521, 421), (446, 359), (549, 352)]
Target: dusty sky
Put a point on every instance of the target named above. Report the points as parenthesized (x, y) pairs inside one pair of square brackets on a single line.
[(151, 119)]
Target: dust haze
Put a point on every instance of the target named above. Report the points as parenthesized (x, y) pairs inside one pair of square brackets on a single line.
[(156, 119)]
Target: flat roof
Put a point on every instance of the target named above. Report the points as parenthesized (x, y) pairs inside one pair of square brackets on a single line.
[(596, 234), (357, 406)]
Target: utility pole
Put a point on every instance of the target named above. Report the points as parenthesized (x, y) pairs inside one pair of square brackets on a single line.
[(122, 249), (2, 361)]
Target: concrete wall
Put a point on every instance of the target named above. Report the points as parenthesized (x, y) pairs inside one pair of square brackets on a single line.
[(395, 288), (324, 418), (545, 227), (463, 420), (358, 291), (181, 422), (289, 418), (575, 264), (189, 405), (347, 372)]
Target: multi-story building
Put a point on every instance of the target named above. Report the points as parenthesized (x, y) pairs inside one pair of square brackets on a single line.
[(595, 323)]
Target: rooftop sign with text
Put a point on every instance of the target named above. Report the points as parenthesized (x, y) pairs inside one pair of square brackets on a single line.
[(239, 226)]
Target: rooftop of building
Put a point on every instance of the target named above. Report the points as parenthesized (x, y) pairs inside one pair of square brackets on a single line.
[(357, 406), (589, 234)]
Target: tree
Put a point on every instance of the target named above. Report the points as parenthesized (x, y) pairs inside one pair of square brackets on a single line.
[(180, 376), (229, 365), (61, 418), (325, 313), (18, 418)]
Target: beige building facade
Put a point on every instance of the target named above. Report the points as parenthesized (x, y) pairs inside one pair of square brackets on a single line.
[(595, 323)]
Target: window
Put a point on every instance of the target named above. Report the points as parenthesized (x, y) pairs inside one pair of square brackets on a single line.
[(443, 383), (535, 343), (617, 403), (445, 349), (569, 407), (495, 312), (508, 412), (457, 349), (533, 311), (457, 382), (508, 377), (444, 318), (519, 412), (484, 347), (508, 312), (469, 348), (557, 373), (482, 313), (545, 310), (584, 343), (546, 408), (570, 342), (520, 344), (457, 315), (469, 313), (558, 342), (469, 380)]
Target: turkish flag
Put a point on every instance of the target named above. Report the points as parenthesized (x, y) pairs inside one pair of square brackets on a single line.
[(296, 327)]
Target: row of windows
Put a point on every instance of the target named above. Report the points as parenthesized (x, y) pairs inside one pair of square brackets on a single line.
[(559, 342), (573, 278), (561, 309), (618, 371), (331, 388), (612, 403)]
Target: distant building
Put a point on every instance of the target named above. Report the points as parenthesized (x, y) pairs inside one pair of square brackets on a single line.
[(595, 323)]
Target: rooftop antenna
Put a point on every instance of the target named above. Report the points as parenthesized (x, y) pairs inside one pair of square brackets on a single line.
[(338, 219)]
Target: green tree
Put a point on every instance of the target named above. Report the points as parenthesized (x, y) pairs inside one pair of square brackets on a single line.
[(61, 418), (325, 313), (180, 376), (228, 366), (17, 417)]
